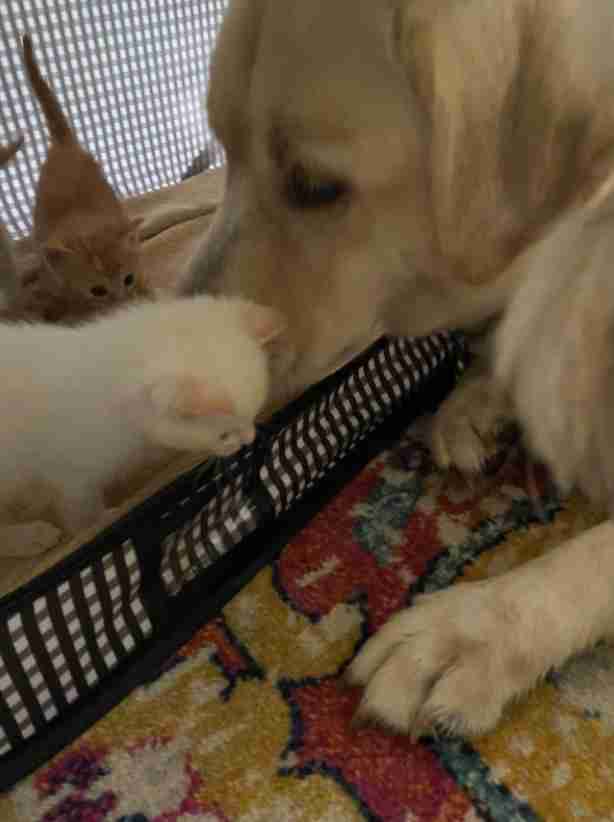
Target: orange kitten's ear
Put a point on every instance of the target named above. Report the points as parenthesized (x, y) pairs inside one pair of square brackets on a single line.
[(54, 252), (190, 397), (133, 229), (263, 324)]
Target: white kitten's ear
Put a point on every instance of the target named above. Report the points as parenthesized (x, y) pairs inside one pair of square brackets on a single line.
[(263, 324), (190, 397)]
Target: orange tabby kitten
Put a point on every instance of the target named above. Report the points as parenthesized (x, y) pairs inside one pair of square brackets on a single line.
[(90, 247)]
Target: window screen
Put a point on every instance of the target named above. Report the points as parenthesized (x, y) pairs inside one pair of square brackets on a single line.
[(131, 74)]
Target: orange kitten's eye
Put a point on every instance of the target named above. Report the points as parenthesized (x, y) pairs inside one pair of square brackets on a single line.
[(129, 280), (99, 291)]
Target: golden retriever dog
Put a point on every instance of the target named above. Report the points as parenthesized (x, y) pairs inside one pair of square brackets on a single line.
[(410, 165)]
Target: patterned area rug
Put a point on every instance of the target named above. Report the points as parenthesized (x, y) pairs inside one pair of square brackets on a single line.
[(249, 722)]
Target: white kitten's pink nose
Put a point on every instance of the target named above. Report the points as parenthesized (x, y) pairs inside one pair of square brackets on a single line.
[(249, 435)]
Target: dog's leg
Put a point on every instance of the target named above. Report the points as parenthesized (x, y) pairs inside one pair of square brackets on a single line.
[(554, 352), (456, 658)]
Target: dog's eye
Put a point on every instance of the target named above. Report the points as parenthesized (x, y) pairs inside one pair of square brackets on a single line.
[(305, 192), (99, 291), (129, 280)]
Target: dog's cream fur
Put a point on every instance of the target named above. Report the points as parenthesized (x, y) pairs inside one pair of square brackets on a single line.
[(465, 139)]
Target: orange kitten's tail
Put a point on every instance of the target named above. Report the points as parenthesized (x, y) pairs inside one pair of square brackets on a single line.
[(57, 122), (9, 151)]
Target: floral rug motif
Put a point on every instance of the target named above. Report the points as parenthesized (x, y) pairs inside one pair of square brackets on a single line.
[(249, 721)]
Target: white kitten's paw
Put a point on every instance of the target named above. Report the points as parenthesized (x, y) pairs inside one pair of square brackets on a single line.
[(464, 433), (450, 663)]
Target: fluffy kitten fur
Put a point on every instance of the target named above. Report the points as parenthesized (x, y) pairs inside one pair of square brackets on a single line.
[(90, 247), (81, 406)]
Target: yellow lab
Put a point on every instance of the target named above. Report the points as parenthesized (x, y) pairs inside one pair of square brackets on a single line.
[(408, 165)]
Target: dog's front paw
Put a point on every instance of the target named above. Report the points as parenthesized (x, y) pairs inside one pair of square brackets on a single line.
[(465, 433), (450, 663)]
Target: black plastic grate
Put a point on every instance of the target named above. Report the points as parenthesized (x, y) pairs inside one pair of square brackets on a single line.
[(57, 646)]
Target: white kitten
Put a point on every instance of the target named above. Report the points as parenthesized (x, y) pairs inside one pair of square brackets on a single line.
[(81, 405)]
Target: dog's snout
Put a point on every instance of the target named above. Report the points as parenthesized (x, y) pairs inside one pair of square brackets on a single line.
[(206, 271)]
